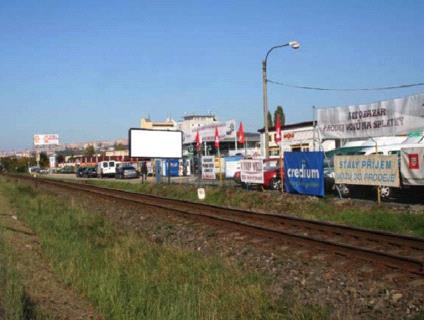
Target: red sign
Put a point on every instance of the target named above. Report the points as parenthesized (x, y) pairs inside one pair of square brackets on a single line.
[(414, 162), (289, 135), (198, 141)]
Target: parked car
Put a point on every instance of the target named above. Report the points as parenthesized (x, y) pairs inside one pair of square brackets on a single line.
[(106, 168), (67, 169), (79, 172), (272, 179), (89, 172), (126, 172)]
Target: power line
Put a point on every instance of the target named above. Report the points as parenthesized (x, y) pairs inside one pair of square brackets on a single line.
[(402, 86)]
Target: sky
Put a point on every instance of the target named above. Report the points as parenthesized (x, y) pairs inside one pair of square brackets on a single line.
[(89, 70)]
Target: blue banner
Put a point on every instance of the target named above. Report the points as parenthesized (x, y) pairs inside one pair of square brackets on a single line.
[(304, 172)]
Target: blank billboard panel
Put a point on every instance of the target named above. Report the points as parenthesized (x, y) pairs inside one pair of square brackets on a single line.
[(155, 143)]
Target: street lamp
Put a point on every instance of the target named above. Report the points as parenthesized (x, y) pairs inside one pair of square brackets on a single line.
[(293, 45)]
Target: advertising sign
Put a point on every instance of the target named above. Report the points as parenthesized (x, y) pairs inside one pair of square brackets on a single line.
[(252, 171), (304, 172), (412, 166), (46, 139), (52, 161), (383, 118), (145, 143), (208, 168), (374, 170), (226, 130)]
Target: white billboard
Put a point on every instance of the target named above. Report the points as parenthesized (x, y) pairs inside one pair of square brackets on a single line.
[(252, 171), (146, 143), (226, 130), (383, 118), (46, 139)]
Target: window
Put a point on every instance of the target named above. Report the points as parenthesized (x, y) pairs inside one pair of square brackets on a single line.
[(111, 164), (104, 164)]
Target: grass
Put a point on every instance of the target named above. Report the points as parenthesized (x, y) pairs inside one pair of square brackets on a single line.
[(128, 277), (14, 303), (383, 217)]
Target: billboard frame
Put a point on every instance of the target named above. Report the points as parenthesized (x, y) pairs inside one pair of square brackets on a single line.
[(142, 129)]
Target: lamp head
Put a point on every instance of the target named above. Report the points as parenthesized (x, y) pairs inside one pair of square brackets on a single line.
[(294, 44)]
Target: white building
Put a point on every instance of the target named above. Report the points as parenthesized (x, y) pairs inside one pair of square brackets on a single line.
[(296, 137)]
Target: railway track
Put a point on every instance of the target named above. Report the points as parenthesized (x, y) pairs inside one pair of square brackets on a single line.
[(395, 251)]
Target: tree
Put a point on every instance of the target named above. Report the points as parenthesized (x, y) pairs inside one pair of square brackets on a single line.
[(89, 151), (60, 158), (119, 147), (269, 119), (44, 160), (280, 111)]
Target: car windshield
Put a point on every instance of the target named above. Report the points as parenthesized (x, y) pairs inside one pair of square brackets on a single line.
[(128, 168)]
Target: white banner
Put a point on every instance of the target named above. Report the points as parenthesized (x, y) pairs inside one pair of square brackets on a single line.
[(226, 130), (412, 166), (252, 171), (46, 139), (383, 118), (208, 168), (374, 170)]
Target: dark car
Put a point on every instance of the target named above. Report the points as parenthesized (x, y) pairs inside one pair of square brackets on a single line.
[(126, 172), (89, 172), (79, 172)]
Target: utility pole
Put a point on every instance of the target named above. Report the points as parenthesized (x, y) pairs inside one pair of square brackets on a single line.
[(265, 107)]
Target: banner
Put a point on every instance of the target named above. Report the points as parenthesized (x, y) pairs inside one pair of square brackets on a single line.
[(46, 139), (252, 171), (412, 166), (374, 170), (304, 172), (383, 118), (208, 168), (226, 130), (52, 162)]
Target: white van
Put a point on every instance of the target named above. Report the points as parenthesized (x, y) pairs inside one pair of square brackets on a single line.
[(106, 168)]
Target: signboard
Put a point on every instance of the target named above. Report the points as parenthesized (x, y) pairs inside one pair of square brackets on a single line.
[(412, 166), (208, 168), (252, 171), (226, 130), (46, 139), (374, 170), (304, 172), (52, 161), (383, 118), (146, 143)]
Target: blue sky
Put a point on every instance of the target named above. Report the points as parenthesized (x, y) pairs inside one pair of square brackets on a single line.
[(90, 69)]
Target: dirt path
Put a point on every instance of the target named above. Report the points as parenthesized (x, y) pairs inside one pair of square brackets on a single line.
[(47, 293)]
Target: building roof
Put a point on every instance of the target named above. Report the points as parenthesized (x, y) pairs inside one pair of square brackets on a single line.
[(290, 126)]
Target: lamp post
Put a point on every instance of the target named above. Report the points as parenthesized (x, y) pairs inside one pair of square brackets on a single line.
[(292, 44)]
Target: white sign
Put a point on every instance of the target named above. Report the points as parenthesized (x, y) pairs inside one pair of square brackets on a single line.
[(52, 161), (145, 143), (207, 132), (46, 139), (208, 168), (252, 171), (412, 166), (383, 118), (374, 170)]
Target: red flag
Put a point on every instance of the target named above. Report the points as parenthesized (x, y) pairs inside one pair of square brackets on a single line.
[(240, 134), (278, 129), (216, 138), (198, 141)]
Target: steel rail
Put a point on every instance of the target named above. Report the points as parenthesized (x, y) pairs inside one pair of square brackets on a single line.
[(406, 263)]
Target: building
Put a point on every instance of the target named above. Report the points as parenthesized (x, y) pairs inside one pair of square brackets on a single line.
[(299, 136), (168, 124)]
